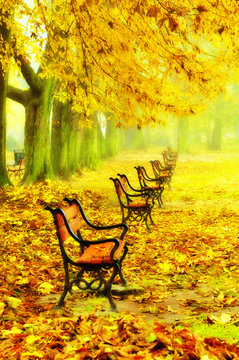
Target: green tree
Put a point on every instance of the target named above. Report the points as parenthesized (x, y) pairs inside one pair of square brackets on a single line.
[(37, 101), (89, 154), (5, 34)]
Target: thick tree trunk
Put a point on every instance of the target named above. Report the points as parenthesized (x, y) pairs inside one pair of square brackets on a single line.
[(89, 156), (4, 180), (37, 134), (111, 136), (101, 142), (183, 136), (61, 142), (73, 144)]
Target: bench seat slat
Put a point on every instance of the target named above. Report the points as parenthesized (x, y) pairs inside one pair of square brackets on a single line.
[(100, 253), (154, 187), (138, 205)]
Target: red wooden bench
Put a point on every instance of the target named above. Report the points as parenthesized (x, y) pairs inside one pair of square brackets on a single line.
[(92, 257), (163, 172), (170, 158), (17, 170), (136, 205), (148, 183)]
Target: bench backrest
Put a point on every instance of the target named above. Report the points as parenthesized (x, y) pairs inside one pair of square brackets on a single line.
[(159, 170), (154, 166), (22, 163), (120, 191), (124, 182), (141, 175), (73, 219), (68, 223), (169, 161), (18, 155)]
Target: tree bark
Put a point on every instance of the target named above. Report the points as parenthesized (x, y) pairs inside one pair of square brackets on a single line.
[(111, 136), (38, 105), (64, 140), (4, 180), (60, 138), (89, 156), (101, 142)]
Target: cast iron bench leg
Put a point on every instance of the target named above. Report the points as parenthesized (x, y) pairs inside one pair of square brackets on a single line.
[(146, 221), (66, 287), (107, 288), (150, 216)]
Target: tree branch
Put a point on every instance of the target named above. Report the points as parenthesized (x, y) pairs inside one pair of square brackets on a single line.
[(29, 74), (17, 95)]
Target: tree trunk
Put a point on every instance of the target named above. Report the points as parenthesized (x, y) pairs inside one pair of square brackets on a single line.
[(101, 142), (111, 136), (183, 136), (37, 134), (216, 142), (61, 138), (73, 144), (4, 180), (89, 156)]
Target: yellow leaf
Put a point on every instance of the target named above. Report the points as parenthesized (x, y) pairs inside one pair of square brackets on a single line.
[(31, 339), (13, 302), (45, 288), (220, 296), (34, 354), (2, 306)]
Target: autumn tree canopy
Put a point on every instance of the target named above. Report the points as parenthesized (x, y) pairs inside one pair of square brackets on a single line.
[(135, 59)]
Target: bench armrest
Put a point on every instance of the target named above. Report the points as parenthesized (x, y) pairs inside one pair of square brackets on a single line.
[(96, 227), (130, 186)]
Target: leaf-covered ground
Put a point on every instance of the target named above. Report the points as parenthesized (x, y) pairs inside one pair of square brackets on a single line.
[(187, 267)]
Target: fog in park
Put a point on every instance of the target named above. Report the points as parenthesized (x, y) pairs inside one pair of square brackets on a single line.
[(214, 129)]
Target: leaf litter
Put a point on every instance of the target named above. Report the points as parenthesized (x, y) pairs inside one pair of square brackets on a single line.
[(188, 269)]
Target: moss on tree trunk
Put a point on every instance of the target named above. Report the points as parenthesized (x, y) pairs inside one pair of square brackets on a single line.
[(101, 142), (89, 156), (4, 180), (37, 134), (111, 136), (64, 140)]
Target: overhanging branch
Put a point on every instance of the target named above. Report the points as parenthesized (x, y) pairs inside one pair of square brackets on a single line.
[(17, 95)]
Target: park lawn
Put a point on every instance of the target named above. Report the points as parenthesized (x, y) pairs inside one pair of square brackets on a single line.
[(187, 267)]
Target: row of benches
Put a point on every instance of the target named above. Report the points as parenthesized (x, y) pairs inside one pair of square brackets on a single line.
[(97, 256), (137, 204)]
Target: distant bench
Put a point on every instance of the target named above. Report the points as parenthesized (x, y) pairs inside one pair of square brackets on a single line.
[(17, 170), (94, 256), (135, 204)]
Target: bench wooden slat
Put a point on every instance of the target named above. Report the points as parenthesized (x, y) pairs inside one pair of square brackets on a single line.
[(74, 224), (100, 254)]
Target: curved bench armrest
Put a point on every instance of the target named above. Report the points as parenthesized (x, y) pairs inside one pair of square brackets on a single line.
[(96, 227)]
